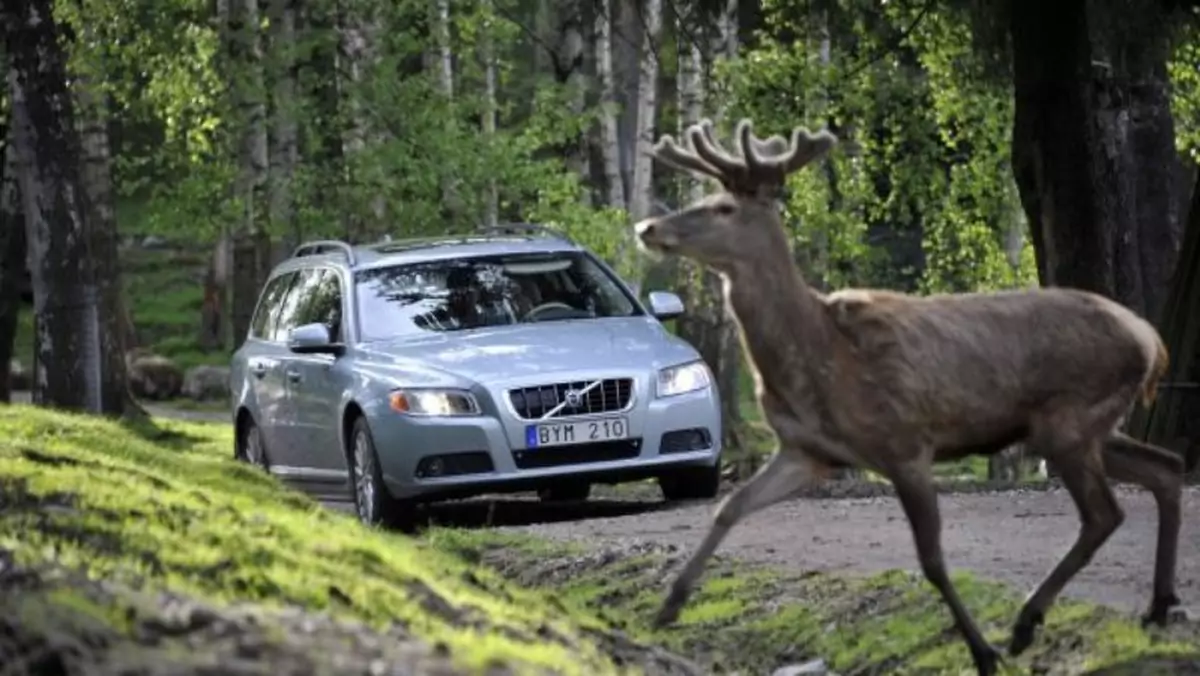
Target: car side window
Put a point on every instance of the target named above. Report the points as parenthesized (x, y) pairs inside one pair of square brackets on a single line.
[(262, 326), (321, 302), (286, 320)]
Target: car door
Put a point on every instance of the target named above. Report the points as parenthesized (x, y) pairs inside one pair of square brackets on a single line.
[(286, 461), (264, 366), (315, 384)]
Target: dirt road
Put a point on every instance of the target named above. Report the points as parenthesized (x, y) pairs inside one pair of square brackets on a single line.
[(1014, 537)]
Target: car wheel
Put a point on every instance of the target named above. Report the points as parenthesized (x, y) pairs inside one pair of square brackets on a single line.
[(251, 448), (566, 492), (372, 502), (691, 483)]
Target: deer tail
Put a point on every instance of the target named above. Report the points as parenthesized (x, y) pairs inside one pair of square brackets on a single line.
[(1159, 369)]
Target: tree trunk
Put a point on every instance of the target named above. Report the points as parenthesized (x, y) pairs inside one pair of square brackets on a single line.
[(647, 107), (568, 65), (445, 73), (284, 150), (487, 54), (67, 301), (12, 263), (101, 220), (610, 142), (1093, 147), (245, 42)]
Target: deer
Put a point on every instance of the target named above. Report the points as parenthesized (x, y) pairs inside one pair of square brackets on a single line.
[(895, 383)]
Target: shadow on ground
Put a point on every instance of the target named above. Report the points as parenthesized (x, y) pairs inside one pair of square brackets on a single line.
[(490, 512)]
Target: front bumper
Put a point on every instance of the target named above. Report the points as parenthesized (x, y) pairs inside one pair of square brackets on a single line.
[(489, 453)]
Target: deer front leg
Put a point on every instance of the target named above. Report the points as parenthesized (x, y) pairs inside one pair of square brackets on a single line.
[(915, 489), (785, 473)]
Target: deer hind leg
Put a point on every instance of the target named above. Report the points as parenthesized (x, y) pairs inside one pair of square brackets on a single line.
[(915, 489), (1160, 472), (785, 473), (1100, 516)]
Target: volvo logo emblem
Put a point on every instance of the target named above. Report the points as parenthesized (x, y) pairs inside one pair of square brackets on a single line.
[(573, 398)]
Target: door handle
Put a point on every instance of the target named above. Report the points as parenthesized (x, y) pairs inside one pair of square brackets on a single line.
[(293, 376), (259, 369)]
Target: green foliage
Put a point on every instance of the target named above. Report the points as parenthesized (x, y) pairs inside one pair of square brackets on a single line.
[(923, 154), (1184, 69)]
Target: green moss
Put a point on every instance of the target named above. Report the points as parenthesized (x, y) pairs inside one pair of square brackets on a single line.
[(166, 508), (755, 619)]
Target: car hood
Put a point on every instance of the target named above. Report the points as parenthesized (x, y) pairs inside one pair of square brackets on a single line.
[(498, 354)]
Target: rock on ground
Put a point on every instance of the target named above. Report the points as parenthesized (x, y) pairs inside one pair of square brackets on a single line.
[(153, 376), (206, 383)]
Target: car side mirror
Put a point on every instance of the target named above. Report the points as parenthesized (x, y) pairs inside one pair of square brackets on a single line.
[(312, 339), (665, 305)]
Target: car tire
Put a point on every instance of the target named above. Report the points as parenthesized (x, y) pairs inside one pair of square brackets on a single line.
[(691, 483), (250, 448), (566, 492), (373, 504)]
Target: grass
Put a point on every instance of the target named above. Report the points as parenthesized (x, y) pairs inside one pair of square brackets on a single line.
[(167, 509), (754, 619)]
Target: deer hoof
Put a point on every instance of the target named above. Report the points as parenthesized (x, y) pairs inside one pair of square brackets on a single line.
[(987, 660), (1163, 611), (669, 611), (1022, 636)]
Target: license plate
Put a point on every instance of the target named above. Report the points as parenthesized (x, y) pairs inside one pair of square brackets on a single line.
[(580, 432)]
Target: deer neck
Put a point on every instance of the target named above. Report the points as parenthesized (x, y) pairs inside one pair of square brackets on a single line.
[(785, 329)]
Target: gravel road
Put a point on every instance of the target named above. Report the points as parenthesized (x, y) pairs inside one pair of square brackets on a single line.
[(1015, 537)]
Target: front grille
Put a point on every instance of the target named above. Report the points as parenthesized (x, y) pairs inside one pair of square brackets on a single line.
[(577, 454), (533, 403)]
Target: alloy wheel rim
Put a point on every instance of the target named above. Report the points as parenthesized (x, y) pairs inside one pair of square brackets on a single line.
[(364, 481)]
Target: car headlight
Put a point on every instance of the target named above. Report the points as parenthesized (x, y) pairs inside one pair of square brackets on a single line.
[(683, 378), (423, 402)]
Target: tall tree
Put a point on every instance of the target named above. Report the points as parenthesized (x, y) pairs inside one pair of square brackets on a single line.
[(1094, 145), (12, 262), (72, 339)]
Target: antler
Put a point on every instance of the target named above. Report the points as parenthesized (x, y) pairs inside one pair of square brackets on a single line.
[(757, 166)]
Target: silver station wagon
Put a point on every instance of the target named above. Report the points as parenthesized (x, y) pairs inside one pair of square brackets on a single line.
[(419, 370)]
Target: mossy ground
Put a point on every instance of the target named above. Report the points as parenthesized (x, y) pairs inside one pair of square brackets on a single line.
[(753, 619), (166, 508)]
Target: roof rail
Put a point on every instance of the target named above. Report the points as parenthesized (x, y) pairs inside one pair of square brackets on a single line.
[(320, 246), (524, 229)]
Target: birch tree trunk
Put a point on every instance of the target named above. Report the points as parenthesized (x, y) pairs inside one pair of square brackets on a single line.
[(284, 150), (12, 262), (707, 325), (70, 343), (488, 56), (569, 50), (214, 306), (647, 105), (445, 73), (610, 142), (115, 325), (251, 247)]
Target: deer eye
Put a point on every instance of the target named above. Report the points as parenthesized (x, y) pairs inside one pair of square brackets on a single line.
[(725, 209)]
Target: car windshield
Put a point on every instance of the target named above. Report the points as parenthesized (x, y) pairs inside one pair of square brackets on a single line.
[(469, 293)]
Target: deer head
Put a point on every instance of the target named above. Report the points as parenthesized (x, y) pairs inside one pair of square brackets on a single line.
[(742, 220)]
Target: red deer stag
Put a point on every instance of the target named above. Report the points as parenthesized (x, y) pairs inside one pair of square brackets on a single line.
[(895, 383)]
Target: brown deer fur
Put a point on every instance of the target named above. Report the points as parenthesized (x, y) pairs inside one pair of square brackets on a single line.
[(895, 383)]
